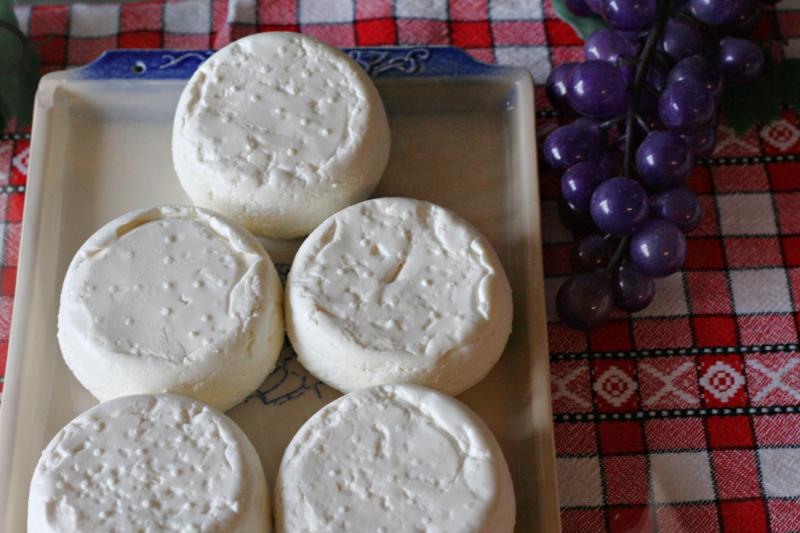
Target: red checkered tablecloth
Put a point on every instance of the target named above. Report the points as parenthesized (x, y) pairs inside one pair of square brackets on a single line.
[(684, 417)]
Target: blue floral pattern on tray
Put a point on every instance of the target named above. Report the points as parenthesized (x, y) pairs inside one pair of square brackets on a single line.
[(400, 61)]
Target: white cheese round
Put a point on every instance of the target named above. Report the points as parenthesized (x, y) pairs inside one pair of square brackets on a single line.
[(149, 463), (171, 299), (278, 131), (394, 290), (394, 458)]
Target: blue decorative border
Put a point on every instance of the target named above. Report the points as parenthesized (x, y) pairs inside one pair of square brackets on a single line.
[(384, 62)]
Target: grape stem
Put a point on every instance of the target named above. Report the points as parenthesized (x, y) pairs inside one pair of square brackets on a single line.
[(638, 83)]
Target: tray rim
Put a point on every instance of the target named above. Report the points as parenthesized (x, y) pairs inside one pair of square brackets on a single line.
[(379, 62)]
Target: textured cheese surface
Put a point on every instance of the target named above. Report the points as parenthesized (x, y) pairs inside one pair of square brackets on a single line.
[(149, 463), (278, 131), (171, 299), (397, 290), (394, 458)]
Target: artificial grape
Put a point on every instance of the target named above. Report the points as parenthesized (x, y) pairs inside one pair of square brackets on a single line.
[(633, 291), (628, 15), (585, 300), (698, 69), (702, 143), (658, 249), (556, 87), (619, 206), (609, 45), (686, 105), (679, 206), (664, 160), (718, 12), (681, 39), (589, 253), (594, 5), (579, 182), (597, 89), (579, 7), (582, 140), (740, 59), (745, 23)]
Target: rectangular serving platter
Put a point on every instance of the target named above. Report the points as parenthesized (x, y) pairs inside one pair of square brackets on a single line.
[(462, 137)]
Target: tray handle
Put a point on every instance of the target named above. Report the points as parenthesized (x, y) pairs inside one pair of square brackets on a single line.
[(393, 61)]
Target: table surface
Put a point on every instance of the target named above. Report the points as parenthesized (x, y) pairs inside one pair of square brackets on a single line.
[(684, 417)]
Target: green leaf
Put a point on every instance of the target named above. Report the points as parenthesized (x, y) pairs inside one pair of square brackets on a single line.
[(583, 26), (19, 70), (759, 102)]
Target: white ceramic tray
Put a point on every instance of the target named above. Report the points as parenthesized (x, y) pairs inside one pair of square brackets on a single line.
[(462, 136)]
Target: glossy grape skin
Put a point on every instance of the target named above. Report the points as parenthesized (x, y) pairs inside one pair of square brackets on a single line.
[(740, 59), (594, 5), (628, 15), (609, 45), (718, 12), (632, 290), (664, 160), (579, 7), (584, 301), (579, 182), (702, 143), (611, 163), (699, 69), (679, 206), (597, 89), (579, 141), (619, 206), (681, 39), (686, 105), (658, 249), (556, 86), (589, 253)]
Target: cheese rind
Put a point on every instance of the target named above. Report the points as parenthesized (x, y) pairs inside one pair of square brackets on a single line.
[(278, 131), (395, 290), (171, 299), (149, 463), (394, 458)]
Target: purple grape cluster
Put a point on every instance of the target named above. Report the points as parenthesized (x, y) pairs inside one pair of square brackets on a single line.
[(647, 98)]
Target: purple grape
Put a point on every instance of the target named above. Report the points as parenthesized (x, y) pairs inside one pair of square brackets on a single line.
[(679, 206), (585, 300), (628, 15), (702, 143), (658, 249), (745, 23), (579, 141), (718, 12), (579, 182), (597, 89), (590, 253), (740, 59), (594, 5), (633, 291), (619, 206), (609, 45), (579, 7), (664, 160), (697, 68), (686, 105), (556, 87), (681, 39)]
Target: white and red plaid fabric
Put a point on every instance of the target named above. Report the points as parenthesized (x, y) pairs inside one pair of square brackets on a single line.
[(684, 417)]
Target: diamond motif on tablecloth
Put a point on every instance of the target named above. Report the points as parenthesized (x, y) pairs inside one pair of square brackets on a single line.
[(563, 388), (727, 139), (781, 134), (615, 386), (778, 380), (20, 161), (673, 383), (722, 381)]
